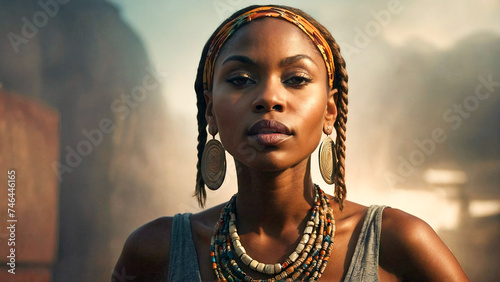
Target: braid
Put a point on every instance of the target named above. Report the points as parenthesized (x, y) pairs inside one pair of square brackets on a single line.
[(200, 192), (340, 83)]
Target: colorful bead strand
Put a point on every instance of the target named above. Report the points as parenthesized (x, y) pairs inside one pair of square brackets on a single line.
[(308, 261)]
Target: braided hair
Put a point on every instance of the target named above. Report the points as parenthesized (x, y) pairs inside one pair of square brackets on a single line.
[(340, 83)]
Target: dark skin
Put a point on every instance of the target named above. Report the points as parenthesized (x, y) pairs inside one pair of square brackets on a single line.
[(286, 83)]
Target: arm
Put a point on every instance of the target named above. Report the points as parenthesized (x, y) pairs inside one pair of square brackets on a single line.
[(145, 254), (412, 251)]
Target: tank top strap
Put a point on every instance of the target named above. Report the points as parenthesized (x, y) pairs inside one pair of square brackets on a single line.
[(183, 261), (364, 263)]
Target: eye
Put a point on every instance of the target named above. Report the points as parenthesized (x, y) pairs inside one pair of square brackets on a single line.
[(298, 80), (240, 79)]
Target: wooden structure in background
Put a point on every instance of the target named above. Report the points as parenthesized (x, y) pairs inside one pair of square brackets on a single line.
[(29, 144)]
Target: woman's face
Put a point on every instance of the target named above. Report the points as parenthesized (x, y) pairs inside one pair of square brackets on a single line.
[(270, 100)]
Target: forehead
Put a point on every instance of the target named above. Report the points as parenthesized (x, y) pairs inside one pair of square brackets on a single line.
[(255, 36)]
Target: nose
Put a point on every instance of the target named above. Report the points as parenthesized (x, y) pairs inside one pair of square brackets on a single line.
[(270, 97)]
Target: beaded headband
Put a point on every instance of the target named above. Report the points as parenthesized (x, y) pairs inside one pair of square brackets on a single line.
[(267, 11)]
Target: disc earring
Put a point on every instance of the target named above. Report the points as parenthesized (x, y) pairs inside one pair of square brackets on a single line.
[(327, 159), (213, 164)]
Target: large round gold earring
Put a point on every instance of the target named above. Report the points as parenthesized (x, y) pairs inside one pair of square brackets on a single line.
[(213, 164), (327, 159)]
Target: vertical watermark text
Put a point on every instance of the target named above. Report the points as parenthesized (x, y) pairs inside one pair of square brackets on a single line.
[(11, 220)]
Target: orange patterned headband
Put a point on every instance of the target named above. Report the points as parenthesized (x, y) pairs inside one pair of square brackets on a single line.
[(268, 11)]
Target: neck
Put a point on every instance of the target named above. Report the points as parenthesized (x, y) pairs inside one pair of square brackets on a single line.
[(270, 201)]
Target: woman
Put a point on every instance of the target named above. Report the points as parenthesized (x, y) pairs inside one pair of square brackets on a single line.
[(271, 80)]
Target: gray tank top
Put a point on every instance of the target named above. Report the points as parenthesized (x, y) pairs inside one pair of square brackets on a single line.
[(183, 264)]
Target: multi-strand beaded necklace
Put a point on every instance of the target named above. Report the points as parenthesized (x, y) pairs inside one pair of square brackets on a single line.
[(308, 261)]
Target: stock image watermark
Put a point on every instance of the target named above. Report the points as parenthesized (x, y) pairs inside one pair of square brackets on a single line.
[(121, 107), (454, 116), (364, 36), (225, 8), (39, 19), (11, 220)]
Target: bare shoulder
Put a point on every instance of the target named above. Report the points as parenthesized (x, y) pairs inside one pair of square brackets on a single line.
[(202, 225), (145, 254), (411, 250), (208, 217)]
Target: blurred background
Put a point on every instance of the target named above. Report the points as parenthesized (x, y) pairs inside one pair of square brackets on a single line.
[(114, 81)]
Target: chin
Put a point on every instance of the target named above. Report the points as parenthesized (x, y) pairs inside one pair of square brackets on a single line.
[(270, 162)]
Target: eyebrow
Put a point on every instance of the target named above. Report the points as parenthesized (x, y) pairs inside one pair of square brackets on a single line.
[(239, 58), (283, 63), (293, 59)]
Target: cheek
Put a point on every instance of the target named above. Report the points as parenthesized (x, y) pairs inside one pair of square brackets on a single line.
[(312, 113), (228, 115)]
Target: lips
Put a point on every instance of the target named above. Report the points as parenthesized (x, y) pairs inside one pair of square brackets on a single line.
[(269, 132)]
